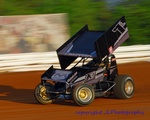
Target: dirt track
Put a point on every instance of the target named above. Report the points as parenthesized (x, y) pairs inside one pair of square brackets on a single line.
[(17, 100)]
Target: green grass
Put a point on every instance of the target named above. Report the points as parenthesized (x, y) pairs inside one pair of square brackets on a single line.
[(95, 13)]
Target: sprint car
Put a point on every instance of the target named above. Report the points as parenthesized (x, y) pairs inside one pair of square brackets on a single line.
[(88, 68)]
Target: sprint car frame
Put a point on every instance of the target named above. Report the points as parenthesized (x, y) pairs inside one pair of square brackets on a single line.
[(95, 72)]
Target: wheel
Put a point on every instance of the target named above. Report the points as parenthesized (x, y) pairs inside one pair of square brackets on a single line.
[(41, 95), (83, 94), (124, 87)]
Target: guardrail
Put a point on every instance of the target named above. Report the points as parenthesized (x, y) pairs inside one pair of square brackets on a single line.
[(42, 61)]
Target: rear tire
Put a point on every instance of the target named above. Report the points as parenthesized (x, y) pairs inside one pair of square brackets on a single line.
[(124, 87), (83, 94), (41, 95)]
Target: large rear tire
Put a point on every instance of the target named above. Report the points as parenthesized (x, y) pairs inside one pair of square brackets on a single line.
[(41, 95), (124, 87), (83, 94)]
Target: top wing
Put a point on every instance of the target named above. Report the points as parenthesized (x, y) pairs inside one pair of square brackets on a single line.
[(93, 44), (79, 45)]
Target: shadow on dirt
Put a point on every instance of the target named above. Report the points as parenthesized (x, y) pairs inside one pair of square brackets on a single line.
[(26, 96), (64, 102), (9, 93)]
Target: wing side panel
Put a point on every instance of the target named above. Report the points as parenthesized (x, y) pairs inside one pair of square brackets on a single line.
[(112, 39)]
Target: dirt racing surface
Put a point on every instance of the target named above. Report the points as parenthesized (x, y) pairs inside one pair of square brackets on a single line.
[(17, 100)]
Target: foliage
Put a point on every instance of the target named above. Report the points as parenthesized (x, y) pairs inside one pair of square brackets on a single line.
[(138, 20), (95, 13)]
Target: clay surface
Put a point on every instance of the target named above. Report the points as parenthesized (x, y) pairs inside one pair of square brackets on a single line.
[(17, 100)]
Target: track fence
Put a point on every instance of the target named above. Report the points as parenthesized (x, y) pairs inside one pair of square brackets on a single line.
[(42, 61)]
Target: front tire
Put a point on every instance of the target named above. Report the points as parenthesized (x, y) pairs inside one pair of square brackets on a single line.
[(41, 95), (124, 87), (83, 94)]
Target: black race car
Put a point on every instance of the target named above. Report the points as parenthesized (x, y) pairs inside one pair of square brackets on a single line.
[(88, 68)]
